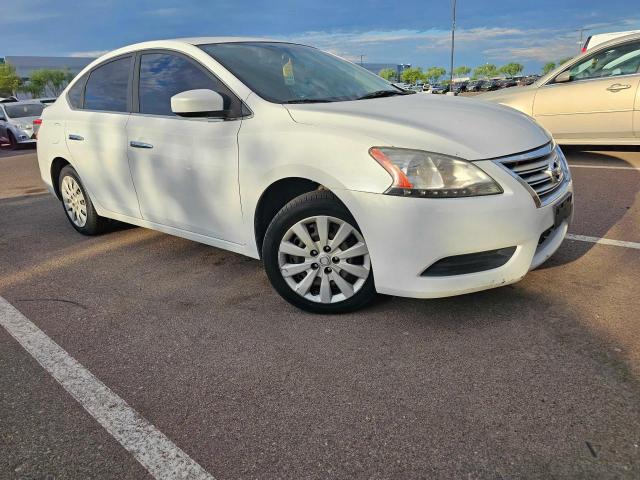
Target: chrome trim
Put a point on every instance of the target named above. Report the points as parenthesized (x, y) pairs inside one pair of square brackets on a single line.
[(528, 155), (543, 190)]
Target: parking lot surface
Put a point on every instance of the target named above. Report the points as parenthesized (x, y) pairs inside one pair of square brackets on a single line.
[(540, 379)]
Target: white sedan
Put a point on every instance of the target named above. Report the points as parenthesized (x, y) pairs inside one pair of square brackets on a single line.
[(343, 184)]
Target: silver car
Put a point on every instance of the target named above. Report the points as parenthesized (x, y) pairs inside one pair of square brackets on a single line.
[(16, 121)]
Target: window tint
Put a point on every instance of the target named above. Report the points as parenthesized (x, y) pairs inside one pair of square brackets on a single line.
[(619, 60), (164, 75), (107, 87), (75, 93)]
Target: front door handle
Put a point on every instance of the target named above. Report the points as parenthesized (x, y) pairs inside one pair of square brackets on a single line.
[(78, 138), (616, 87), (135, 144)]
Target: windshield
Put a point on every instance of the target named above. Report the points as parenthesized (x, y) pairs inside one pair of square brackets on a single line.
[(289, 73), (21, 110)]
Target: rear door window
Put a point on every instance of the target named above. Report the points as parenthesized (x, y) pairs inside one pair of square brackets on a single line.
[(108, 87), (75, 93)]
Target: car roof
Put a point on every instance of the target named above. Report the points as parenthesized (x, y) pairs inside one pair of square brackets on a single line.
[(615, 41), (208, 40)]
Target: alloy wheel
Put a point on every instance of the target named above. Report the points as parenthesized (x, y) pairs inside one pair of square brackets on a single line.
[(74, 202), (324, 259)]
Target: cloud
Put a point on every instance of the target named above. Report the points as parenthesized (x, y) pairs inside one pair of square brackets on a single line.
[(492, 43), (89, 54)]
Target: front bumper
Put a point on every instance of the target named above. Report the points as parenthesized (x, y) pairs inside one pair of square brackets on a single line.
[(407, 235), (24, 136)]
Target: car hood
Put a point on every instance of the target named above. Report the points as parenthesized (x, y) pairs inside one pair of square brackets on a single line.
[(456, 126)]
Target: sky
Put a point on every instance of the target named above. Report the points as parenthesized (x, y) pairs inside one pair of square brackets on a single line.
[(401, 31)]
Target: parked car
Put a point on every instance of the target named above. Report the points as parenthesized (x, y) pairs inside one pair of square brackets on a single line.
[(325, 171), (528, 80), (592, 99), (437, 88), (46, 101), (16, 121), (459, 87), (474, 85), (489, 85), (507, 83), (594, 40)]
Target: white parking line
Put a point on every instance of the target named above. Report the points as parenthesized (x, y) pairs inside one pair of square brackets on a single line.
[(606, 167), (603, 241), (159, 455)]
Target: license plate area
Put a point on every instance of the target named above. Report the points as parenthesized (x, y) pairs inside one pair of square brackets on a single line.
[(563, 210)]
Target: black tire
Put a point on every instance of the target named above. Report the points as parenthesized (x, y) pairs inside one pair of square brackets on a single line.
[(95, 224), (13, 143), (319, 202)]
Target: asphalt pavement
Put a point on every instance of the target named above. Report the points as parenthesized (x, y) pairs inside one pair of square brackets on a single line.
[(540, 379)]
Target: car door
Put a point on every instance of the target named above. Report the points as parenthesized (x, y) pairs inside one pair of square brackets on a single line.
[(185, 170), (96, 135), (597, 101)]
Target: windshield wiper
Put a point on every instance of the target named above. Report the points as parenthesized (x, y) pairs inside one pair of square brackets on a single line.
[(309, 100), (384, 93)]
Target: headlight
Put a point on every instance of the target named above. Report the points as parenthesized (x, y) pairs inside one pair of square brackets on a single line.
[(424, 174), (24, 126), (563, 162)]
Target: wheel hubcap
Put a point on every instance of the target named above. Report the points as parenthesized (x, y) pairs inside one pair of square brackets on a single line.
[(74, 201), (324, 259)]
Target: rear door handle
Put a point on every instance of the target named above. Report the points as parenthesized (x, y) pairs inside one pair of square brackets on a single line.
[(78, 138), (616, 87), (135, 144)]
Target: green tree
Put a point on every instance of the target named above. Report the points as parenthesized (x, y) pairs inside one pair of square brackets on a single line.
[(548, 67), (48, 82), (512, 69), (9, 80), (412, 75), (461, 71), (487, 70), (433, 74), (388, 74)]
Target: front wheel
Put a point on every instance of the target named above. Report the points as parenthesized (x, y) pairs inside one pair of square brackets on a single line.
[(316, 257), (13, 143)]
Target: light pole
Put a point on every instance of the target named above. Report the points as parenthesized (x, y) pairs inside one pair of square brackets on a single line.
[(453, 41)]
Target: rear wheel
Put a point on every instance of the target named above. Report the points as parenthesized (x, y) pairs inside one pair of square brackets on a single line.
[(77, 204), (316, 257)]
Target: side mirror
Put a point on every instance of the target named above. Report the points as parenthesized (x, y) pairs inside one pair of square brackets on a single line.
[(197, 103), (563, 77)]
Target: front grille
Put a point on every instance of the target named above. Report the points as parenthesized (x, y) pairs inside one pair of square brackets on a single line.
[(542, 171)]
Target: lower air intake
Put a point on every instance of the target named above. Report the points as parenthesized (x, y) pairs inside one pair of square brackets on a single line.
[(469, 263)]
